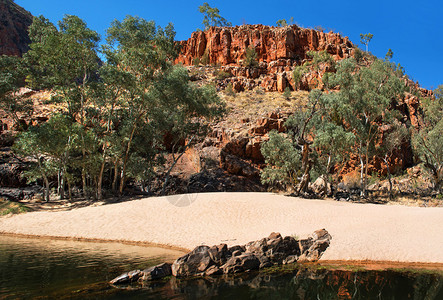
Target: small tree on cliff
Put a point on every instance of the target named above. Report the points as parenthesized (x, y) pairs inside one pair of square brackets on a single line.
[(365, 39), (250, 58), (211, 17), (428, 140)]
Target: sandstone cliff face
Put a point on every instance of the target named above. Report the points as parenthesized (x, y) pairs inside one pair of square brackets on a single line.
[(279, 50), (14, 23), (227, 45)]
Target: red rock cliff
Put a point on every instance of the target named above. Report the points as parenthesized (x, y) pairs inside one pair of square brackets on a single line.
[(14, 23), (227, 45), (279, 50)]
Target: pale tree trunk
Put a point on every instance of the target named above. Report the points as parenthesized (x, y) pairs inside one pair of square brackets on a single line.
[(115, 179), (388, 171), (362, 170), (365, 184), (100, 180), (69, 189), (45, 179), (125, 161), (306, 167)]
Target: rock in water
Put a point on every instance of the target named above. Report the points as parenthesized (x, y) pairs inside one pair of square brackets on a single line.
[(194, 263), (242, 263), (219, 259), (156, 272), (128, 277)]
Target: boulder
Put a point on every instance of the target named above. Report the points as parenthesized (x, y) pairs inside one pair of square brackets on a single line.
[(280, 248), (242, 263), (321, 187), (219, 254), (213, 270), (128, 277), (219, 259), (194, 263), (156, 272), (318, 243)]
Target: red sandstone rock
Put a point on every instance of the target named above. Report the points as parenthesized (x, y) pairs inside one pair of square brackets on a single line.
[(227, 45), (15, 20)]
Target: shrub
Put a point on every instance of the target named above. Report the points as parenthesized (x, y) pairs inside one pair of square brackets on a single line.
[(287, 93), (251, 58)]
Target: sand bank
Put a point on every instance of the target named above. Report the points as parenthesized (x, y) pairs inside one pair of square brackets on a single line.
[(359, 231)]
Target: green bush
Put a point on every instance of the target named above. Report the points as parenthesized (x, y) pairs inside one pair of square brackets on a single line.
[(251, 58)]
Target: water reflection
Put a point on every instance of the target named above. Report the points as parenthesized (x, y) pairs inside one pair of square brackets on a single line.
[(301, 283), (42, 267), (58, 269)]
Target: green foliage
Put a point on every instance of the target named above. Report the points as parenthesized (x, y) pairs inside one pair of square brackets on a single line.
[(297, 75), (229, 90), (11, 80), (250, 60), (389, 55), (9, 207), (332, 123), (211, 17), (428, 139), (363, 102), (358, 55), (283, 161), (318, 60), (365, 39), (287, 93), (283, 22), (117, 112), (205, 59), (196, 62), (220, 74)]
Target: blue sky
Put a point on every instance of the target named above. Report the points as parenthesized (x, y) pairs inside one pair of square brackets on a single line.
[(412, 29)]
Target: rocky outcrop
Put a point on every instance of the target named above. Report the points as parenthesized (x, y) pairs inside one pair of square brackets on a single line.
[(221, 259), (15, 20), (279, 50), (228, 45)]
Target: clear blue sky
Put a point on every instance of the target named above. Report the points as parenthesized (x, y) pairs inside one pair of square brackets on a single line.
[(411, 28)]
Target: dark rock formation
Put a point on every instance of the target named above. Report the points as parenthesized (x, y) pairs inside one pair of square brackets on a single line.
[(15, 20), (156, 272), (219, 259)]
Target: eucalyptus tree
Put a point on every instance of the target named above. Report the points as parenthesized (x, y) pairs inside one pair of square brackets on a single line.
[(156, 96), (11, 80), (364, 102), (55, 148), (365, 39), (428, 139), (65, 59), (212, 17)]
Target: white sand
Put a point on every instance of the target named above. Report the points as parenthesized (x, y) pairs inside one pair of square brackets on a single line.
[(359, 231)]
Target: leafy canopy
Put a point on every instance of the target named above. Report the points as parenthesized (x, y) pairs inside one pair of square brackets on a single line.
[(211, 17)]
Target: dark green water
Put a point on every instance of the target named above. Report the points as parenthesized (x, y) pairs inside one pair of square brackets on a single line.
[(36, 268)]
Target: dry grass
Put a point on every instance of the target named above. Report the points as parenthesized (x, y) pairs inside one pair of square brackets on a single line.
[(256, 104)]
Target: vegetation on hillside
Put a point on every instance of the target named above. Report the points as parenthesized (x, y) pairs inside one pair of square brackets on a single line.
[(353, 118), (113, 116)]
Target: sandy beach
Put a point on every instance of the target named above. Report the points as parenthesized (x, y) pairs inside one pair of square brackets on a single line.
[(360, 231)]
